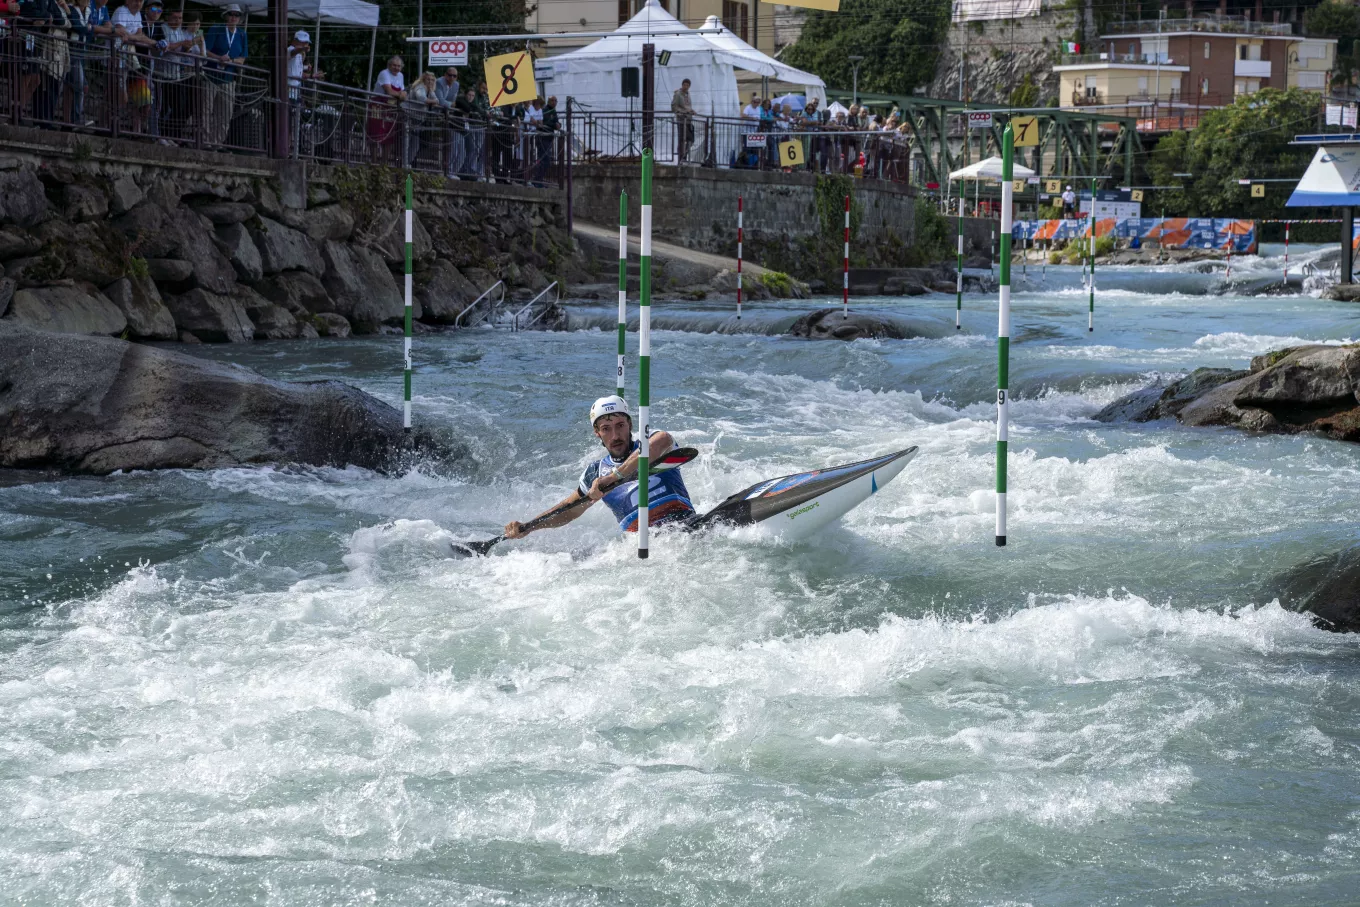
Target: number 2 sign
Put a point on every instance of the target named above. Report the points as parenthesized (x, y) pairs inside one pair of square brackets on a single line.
[(510, 78)]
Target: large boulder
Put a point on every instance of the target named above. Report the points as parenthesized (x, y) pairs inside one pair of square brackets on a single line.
[(443, 292), (298, 292), (328, 222), (361, 287), (83, 203), (73, 309), (284, 249), (170, 271), (1158, 401), (152, 230), (1328, 587), (125, 194), (23, 201), (329, 324), (7, 288), (222, 213), (828, 324), (96, 405), (141, 304), (1343, 292), (212, 317), (272, 321), (17, 243), (240, 249), (86, 255), (388, 236)]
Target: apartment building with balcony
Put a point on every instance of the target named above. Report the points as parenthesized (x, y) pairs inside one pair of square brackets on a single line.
[(1165, 71), (751, 20)]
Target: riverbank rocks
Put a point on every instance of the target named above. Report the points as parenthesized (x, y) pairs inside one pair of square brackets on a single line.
[(1343, 292), (1302, 389), (212, 317), (96, 405), (141, 304), (1327, 587), (828, 324), (69, 308)]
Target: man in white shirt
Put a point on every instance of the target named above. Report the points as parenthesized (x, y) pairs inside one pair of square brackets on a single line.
[(750, 122), (1069, 202), (391, 81)]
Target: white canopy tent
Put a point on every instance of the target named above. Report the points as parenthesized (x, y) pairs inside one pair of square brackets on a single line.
[(988, 170), (762, 63)]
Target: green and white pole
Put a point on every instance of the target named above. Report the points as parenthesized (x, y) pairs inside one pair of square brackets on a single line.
[(958, 274), (1003, 334), (1091, 287), (623, 285), (645, 352), (406, 342)]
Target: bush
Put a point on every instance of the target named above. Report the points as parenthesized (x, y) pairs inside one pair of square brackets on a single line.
[(1055, 258), (1105, 244), (778, 283)]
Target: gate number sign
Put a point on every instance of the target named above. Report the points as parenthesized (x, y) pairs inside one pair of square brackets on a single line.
[(511, 78)]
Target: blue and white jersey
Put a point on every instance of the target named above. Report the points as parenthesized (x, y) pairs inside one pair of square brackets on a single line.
[(667, 497)]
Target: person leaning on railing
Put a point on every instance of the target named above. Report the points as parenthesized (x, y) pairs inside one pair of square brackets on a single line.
[(225, 45), (176, 75), (446, 92), (683, 111), (421, 107)]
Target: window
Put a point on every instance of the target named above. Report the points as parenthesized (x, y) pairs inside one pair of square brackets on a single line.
[(1313, 81), (735, 17), (1091, 91), (1206, 50), (1203, 86), (1311, 50), (1142, 85)]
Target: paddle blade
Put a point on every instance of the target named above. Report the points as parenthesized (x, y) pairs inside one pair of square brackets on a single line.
[(474, 549), (678, 457)]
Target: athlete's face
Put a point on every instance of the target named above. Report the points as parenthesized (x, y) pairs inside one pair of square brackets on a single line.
[(615, 433)]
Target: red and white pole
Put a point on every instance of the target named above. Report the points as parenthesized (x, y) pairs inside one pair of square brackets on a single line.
[(739, 258), (1286, 252), (1228, 274), (845, 279)]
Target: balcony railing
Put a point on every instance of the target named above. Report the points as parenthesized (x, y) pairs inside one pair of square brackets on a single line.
[(1115, 59), (1227, 25)]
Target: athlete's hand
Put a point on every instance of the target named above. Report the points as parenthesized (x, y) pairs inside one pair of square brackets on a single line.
[(515, 530), (602, 486)]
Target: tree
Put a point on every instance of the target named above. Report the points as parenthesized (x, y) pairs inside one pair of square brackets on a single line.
[(1026, 94), (899, 39), (1341, 21)]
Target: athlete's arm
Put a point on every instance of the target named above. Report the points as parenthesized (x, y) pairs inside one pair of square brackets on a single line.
[(518, 530)]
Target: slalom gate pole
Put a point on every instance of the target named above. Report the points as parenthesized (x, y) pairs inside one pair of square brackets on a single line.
[(958, 275), (406, 340), (1286, 252), (991, 265), (739, 238), (1227, 275), (623, 287), (845, 278), (645, 352), (1091, 287), (1003, 334)]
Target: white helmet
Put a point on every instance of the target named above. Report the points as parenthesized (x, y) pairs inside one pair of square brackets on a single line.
[(608, 406)]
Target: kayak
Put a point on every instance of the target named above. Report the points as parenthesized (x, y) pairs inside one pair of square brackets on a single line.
[(794, 507)]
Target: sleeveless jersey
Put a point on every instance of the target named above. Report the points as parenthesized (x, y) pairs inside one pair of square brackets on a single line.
[(667, 497)]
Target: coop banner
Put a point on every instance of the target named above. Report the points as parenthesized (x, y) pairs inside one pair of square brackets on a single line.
[(1169, 233), (975, 10)]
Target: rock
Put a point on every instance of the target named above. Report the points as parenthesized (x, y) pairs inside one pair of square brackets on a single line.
[(169, 270), (86, 254), (140, 302), (186, 337), (1328, 587), (125, 195), (7, 288), (443, 292), (81, 203), (484, 280), (96, 405), (16, 243), (272, 321), (36, 270), (389, 237), (211, 317), (1343, 292), (298, 292), (361, 287), (329, 324), (827, 324), (1166, 402), (237, 245), (23, 201), (153, 231), (328, 222), (224, 213), (78, 309), (284, 249)]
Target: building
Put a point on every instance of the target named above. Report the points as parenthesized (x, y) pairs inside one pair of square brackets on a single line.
[(1166, 70), (751, 20)]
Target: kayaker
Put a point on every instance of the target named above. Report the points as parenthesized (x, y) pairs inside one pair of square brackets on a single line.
[(613, 478)]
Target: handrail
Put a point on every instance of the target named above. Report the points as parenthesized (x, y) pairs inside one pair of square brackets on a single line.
[(499, 302), (514, 321)]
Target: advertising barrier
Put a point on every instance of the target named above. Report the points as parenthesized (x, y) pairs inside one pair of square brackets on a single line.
[(1169, 233)]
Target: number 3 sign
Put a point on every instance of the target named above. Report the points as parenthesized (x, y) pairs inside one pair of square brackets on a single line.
[(510, 79)]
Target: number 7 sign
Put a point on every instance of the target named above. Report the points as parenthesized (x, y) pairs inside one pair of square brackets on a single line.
[(510, 79), (1026, 131)]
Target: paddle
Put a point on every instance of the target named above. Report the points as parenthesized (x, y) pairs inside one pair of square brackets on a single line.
[(677, 457)]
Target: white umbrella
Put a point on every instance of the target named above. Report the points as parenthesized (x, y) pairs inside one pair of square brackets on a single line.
[(990, 170)]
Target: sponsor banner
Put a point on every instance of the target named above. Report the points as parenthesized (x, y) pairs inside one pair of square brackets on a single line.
[(755, 140), (1171, 232), (979, 120), (450, 52)]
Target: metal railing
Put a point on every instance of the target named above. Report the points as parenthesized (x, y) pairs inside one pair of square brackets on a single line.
[(1148, 59), (1216, 24), (494, 307), (514, 320), (51, 78)]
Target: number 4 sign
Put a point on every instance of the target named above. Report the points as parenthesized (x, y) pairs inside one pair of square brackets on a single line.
[(510, 78)]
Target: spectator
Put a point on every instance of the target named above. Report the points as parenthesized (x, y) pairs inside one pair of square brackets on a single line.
[(1069, 202), (683, 111), (155, 29), (181, 44), (298, 69), (34, 16), (82, 34), (767, 127), (482, 102), (225, 45), (815, 120), (750, 124), (101, 19), (384, 115), (446, 92), (466, 108), (134, 76), (391, 81), (547, 139), (423, 103)]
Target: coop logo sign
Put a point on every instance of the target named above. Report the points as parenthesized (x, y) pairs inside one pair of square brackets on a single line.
[(977, 120), (448, 52)]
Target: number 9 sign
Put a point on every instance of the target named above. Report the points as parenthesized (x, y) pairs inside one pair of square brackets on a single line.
[(510, 79), (791, 154)]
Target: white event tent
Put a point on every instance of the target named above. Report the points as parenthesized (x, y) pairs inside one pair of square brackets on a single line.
[(354, 13), (759, 62)]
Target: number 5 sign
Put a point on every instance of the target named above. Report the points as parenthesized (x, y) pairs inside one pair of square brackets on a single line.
[(510, 78), (791, 154)]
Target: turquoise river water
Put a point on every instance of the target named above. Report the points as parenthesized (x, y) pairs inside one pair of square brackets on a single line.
[(271, 686)]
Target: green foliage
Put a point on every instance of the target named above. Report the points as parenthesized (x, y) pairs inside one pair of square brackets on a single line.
[(1050, 212), (137, 267), (900, 40), (1340, 20), (933, 237), (1026, 94), (778, 283), (1246, 140), (1104, 245), (1055, 258)]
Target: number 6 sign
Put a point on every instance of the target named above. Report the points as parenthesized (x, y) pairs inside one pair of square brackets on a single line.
[(510, 79), (791, 154)]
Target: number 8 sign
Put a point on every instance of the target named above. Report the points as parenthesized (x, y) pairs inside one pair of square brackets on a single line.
[(791, 154), (510, 79)]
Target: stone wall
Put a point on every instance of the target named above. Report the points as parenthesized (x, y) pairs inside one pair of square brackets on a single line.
[(123, 238), (783, 230), (1000, 53)]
